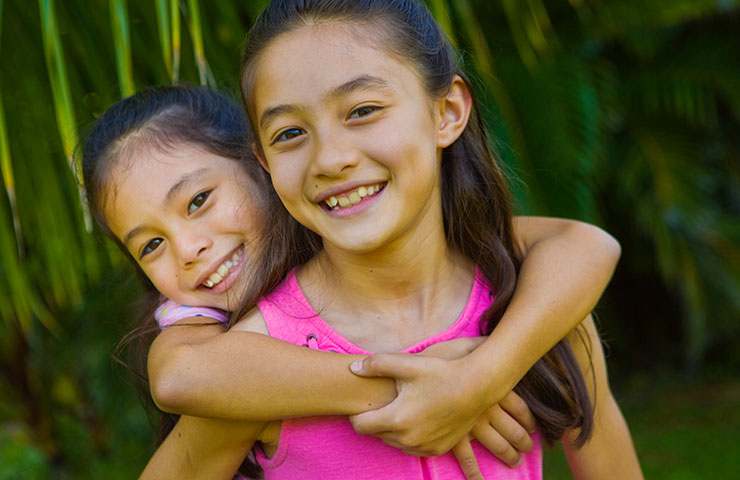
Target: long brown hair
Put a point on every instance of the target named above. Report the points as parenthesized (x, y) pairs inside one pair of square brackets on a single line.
[(476, 203)]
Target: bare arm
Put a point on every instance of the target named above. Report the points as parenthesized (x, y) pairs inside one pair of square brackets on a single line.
[(609, 453), (242, 374), (566, 269)]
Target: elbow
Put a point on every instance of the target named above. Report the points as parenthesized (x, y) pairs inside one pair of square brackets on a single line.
[(606, 246), (167, 382), (611, 246)]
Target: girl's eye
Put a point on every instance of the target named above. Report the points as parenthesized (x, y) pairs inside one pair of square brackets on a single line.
[(150, 247), (288, 134), (198, 201), (363, 111)]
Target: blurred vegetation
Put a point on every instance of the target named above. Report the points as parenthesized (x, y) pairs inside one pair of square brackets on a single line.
[(623, 114)]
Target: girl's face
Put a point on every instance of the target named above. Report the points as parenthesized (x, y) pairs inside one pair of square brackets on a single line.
[(349, 136), (190, 220)]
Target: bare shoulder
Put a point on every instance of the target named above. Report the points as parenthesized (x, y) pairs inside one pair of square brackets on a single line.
[(253, 321)]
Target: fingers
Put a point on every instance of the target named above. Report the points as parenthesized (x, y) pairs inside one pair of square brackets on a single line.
[(398, 366), (509, 429), (391, 429), (466, 458), (495, 443), (374, 422), (518, 409)]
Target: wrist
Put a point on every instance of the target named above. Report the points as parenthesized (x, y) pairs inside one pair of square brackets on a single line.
[(491, 374)]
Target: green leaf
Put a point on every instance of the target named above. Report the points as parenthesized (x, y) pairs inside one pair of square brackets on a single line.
[(63, 108), (122, 43), (196, 33), (176, 39), (165, 36)]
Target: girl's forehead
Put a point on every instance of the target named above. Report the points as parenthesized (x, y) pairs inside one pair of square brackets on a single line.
[(310, 62)]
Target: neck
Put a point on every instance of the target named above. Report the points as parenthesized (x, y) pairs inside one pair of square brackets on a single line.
[(416, 278)]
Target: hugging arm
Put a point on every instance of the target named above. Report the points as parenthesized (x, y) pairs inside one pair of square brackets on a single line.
[(244, 375), (566, 267), (196, 368)]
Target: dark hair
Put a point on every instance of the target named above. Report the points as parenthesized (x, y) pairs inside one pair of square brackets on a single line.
[(161, 118), (476, 202)]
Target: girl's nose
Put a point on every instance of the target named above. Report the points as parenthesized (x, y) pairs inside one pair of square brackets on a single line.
[(192, 248), (333, 156)]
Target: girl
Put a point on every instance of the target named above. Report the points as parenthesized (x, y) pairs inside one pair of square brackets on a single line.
[(156, 127), (323, 81)]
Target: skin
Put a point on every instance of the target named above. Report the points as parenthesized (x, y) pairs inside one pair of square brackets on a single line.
[(456, 115)]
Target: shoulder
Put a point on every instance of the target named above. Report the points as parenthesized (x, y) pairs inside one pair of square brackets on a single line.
[(253, 321)]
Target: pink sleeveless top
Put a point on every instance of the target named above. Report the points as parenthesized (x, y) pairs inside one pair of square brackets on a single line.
[(327, 447)]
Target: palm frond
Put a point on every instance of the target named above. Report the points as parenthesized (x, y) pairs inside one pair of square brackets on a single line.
[(63, 108), (196, 33), (122, 42), (176, 39), (165, 37)]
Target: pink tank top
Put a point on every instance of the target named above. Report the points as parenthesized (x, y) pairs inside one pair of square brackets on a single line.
[(327, 447)]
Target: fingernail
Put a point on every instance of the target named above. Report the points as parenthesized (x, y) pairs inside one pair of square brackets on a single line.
[(356, 366), (519, 462)]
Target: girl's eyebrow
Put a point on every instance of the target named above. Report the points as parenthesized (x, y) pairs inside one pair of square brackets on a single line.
[(182, 182), (363, 82)]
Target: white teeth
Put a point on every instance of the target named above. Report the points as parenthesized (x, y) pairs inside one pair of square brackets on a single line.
[(223, 269), (353, 198)]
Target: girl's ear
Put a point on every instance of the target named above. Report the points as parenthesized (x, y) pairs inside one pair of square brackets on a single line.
[(453, 112), (260, 156)]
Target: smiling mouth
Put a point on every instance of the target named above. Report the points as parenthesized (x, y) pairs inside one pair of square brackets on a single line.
[(223, 270), (353, 197)]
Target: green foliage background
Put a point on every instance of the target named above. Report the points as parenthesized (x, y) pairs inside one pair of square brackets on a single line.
[(624, 114)]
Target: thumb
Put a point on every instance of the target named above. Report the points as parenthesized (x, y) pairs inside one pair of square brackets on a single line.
[(395, 365)]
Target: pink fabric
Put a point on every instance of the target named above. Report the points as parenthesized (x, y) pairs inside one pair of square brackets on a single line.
[(170, 312), (327, 447)]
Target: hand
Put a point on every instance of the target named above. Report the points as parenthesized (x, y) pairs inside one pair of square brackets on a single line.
[(503, 430), (439, 401)]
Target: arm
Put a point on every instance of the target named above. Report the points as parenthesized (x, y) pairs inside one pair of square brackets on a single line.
[(567, 266), (193, 371), (202, 448), (609, 453)]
